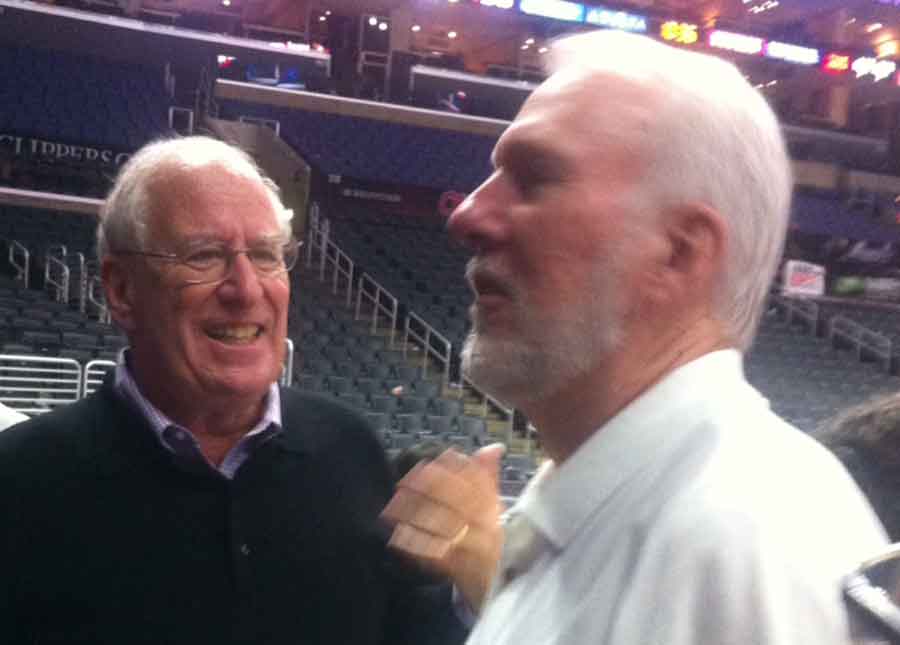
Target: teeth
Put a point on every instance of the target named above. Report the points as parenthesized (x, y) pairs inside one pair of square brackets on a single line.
[(235, 332)]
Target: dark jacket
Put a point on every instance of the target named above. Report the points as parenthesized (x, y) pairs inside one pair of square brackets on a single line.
[(106, 538)]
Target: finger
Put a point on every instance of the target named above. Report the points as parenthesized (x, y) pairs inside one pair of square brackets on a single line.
[(480, 468), (489, 458), (411, 507), (480, 474), (418, 543), (460, 486)]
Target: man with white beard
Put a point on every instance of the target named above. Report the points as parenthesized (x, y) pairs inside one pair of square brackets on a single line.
[(623, 249)]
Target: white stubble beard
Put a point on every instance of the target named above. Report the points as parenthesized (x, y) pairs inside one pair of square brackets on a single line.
[(542, 354)]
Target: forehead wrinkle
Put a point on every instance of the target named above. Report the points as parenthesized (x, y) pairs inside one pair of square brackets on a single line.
[(177, 195)]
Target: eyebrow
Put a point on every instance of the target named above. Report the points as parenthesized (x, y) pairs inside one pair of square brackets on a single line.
[(532, 158), (199, 240), (527, 152)]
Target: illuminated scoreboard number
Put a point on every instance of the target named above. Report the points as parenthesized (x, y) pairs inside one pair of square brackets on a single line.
[(679, 32)]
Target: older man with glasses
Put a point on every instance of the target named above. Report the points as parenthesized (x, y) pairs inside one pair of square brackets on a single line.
[(192, 500)]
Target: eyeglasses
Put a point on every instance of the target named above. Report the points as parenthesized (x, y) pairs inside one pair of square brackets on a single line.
[(213, 262)]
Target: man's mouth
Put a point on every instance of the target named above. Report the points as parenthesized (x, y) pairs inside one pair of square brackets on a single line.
[(485, 284), (234, 333)]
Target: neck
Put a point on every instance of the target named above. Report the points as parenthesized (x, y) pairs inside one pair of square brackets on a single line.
[(570, 417)]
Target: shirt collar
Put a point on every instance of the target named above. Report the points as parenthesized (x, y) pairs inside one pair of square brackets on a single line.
[(127, 388), (558, 500)]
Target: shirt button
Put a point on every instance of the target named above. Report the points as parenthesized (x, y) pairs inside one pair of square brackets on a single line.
[(245, 549)]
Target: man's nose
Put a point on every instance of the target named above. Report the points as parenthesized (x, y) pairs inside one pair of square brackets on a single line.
[(243, 281), (478, 223)]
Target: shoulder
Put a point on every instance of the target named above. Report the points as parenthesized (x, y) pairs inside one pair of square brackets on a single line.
[(765, 491), (47, 433), (321, 415), (307, 406), (320, 423)]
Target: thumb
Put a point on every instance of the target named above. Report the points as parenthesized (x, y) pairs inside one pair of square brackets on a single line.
[(489, 459)]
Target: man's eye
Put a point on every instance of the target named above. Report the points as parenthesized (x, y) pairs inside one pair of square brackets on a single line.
[(529, 184), (204, 257), (530, 178)]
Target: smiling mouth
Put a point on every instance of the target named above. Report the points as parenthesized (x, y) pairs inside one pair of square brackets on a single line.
[(235, 334)]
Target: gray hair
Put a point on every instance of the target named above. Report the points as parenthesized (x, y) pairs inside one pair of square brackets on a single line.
[(714, 141), (123, 216)]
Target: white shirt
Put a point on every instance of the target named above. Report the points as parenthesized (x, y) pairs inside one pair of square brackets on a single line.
[(9, 417), (694, 516)]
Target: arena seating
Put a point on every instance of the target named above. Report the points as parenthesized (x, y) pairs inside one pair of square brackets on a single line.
[(339, 356), (38, 229), (848, 150), (413, 258), (80, 100), (34, 323), (830, 216), (374, 150), (805, 378), (879, 318)]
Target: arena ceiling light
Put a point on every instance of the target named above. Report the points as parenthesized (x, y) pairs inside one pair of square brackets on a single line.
[(416, 28), (872, 27), (740, 43), (792, 53)]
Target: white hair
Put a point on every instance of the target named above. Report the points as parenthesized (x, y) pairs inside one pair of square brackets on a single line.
[(123, 216), (713, 141)]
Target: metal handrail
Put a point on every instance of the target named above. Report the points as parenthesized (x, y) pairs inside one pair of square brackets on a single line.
[(427, 338), (99, 303), (22, 269), (287, 370), (803, 308), (342, 267), (863, 338), (334, 263), (81, 281), (488, 399), (173, 110), (36, 384), (324, 237), (383, 302), (57, 251), (61, 283), (312, 232), (94, 373)]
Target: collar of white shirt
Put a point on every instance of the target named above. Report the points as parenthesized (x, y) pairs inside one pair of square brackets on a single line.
[(558, 500)]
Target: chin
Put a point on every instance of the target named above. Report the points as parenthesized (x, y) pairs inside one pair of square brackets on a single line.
[(238, 383), (497, 367)]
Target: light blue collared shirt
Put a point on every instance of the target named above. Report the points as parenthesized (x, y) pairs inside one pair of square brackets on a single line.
[(181, 442)]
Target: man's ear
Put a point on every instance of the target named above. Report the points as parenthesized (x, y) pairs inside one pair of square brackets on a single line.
[(120, 290), (692, 253)]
